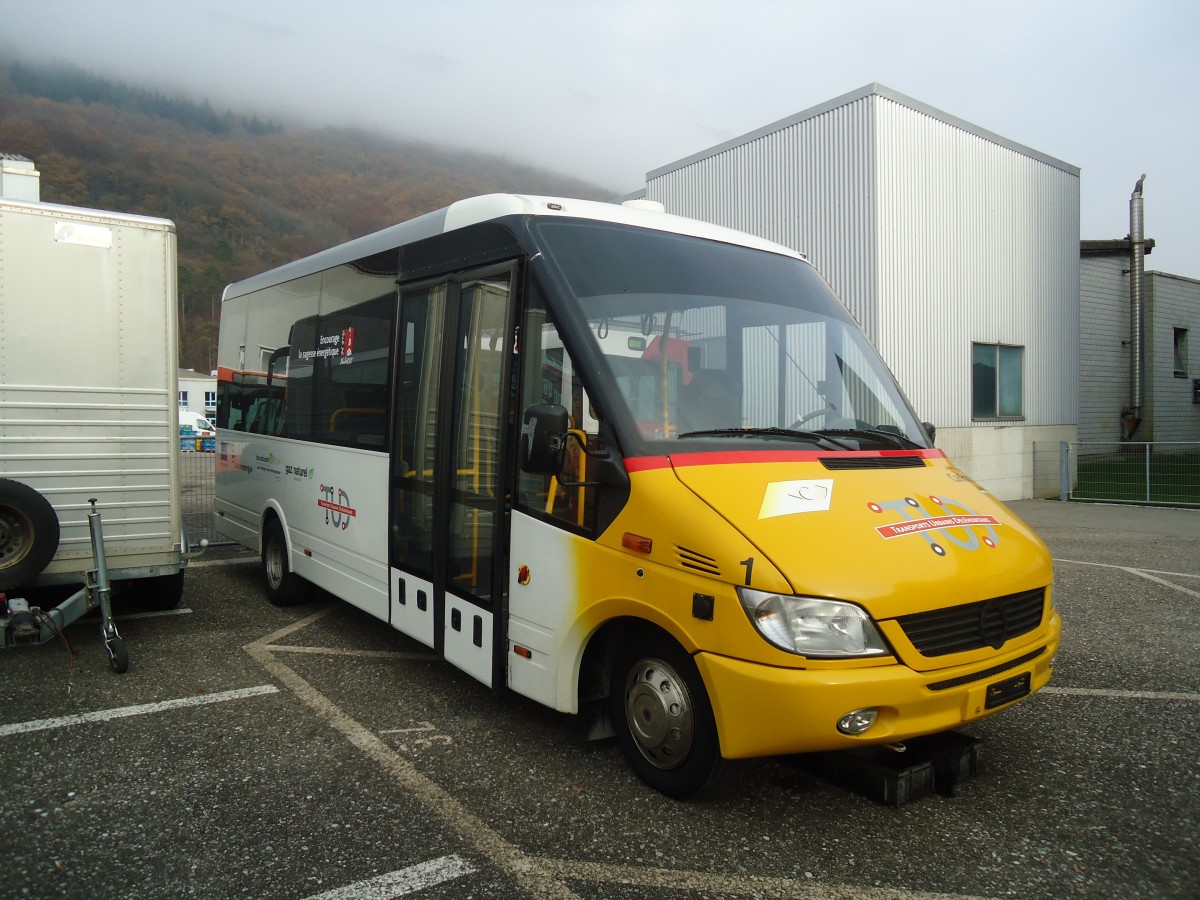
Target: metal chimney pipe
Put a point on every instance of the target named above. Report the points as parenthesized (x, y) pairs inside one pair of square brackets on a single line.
[(1137, 340)]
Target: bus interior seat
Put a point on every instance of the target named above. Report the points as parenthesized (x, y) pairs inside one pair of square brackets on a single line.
[(709, 400)]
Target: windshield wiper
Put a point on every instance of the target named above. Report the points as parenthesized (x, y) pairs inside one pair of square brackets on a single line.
[(891, 437), (789, 433)]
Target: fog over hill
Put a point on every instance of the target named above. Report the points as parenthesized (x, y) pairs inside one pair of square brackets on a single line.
[(246, 192)]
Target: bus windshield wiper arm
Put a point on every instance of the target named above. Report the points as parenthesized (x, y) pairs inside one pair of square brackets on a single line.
[(891, 437), (790, 433)]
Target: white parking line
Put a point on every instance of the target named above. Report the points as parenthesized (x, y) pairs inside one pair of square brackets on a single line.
[(540, 878), (402, 881), (341, 651), (1164, 582), (151, 614), (1080, 562), (140, 710), (532, 879)]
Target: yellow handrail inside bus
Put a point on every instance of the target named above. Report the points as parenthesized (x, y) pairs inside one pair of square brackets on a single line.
[(581, 475), (354, 410)]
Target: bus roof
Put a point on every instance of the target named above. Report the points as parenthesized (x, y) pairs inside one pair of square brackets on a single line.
[(486, 208)]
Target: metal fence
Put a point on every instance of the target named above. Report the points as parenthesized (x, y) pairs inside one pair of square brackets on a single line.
[(198, 473), (1160, 473)]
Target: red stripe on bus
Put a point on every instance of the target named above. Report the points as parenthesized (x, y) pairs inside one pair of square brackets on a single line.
[(644, 463), (734, 457)]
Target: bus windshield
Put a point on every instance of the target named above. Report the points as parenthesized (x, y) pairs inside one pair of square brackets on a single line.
[(709, 343)]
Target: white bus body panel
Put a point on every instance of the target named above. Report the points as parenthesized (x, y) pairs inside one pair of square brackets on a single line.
[(541, 613), (332, 502), (88, 380), (412, 607), (468, 638)]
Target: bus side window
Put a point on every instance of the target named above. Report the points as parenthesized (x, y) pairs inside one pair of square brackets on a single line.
[(550, 377)]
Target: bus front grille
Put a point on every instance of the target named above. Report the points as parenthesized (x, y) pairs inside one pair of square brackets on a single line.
[(840, 463), (988, 623)]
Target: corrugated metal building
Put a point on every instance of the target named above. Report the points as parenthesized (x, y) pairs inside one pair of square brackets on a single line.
[(1171, 322), (955, 248)]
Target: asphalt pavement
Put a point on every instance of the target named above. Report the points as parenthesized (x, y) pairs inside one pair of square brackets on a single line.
[(252, 751)]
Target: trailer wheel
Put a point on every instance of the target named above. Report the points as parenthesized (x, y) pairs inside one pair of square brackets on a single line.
[(663, 718), (158, 593), (284, 587), (118, 655), (28, 533)]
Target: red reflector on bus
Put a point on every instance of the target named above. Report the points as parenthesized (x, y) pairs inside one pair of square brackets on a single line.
[(636, 542), (522, 652)]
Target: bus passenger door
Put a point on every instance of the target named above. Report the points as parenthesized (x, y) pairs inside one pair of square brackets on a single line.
[(449, 524)]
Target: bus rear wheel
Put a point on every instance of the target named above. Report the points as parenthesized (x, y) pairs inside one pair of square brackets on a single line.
[(663, 718), (284, 587)]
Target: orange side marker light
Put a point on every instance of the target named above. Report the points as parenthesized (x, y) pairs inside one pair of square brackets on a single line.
[(636, 542)]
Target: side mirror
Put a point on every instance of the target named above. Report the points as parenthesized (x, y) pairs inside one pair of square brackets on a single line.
[(931, 431), (543, 438)]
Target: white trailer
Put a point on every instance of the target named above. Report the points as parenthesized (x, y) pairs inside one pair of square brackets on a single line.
[(88, 403)]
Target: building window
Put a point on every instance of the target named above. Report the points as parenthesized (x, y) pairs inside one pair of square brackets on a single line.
[(1180, 337), (183, 399), (997, 380), (210, 400)]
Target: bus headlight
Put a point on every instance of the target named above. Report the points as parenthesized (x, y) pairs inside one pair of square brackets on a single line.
[(811, 626)]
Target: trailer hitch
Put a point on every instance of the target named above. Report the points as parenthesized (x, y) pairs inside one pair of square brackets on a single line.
[(100, 592), (24, 625)]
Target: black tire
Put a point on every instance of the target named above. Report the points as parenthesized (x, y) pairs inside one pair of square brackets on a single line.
[(28, 534), (663, 719), (158, 594), (284, 587), (118, 655)]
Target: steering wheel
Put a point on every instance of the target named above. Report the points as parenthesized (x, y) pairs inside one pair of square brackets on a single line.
[(833, 419)]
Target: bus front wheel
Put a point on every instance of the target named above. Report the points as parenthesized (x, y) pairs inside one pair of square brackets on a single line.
[(663, 718), (284, 587)]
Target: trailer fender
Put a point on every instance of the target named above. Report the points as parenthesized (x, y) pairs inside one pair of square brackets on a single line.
[(28, 533)]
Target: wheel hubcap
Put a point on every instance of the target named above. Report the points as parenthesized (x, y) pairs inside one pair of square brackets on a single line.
[(274, 564), (14, 537), (659, 712)]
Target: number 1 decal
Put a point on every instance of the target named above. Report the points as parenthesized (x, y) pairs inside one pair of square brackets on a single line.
[(749, 564)]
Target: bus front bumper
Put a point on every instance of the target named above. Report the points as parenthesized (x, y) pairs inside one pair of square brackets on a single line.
[(766, 711)]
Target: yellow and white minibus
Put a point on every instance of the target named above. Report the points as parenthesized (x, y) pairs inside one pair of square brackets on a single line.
[(613, 459)]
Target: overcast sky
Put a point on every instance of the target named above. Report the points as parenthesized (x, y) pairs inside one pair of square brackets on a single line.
[(608, 90)]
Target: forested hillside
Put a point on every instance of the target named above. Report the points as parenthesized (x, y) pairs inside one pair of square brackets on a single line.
[(245, 192)]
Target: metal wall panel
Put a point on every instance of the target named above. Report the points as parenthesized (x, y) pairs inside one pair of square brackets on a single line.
[(807, 185), (934, 232), (1103, 346), (1174, 303), (977, 243)]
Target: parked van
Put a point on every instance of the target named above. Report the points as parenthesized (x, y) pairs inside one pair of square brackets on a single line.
[(196, 423)]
